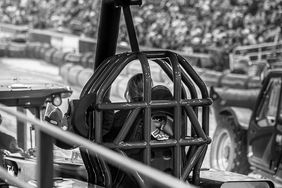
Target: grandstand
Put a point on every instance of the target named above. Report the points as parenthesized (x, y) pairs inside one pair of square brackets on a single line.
[(175, 25), (208, 33)]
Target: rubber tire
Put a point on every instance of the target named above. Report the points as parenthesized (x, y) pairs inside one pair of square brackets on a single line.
[(238, 161)]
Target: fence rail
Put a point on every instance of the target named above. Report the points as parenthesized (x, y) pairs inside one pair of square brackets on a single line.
[(107, 154)]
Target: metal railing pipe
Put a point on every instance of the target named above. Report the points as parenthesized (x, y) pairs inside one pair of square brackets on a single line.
[(107, 154)]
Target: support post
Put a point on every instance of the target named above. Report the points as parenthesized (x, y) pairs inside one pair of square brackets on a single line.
[(107, 31), (45, 156), (22, 131)]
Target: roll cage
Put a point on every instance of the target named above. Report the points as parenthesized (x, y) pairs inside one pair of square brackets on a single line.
[(107, 68), (177, 69)]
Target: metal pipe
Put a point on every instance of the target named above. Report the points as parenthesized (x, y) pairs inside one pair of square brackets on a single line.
[(44, 155), (197, 168), (21, 131), (205, 119), (154, 104), (177, 113), (195, 77), (44, 152), (126, 127), (147, 79), (107, 154), (92, 79), (109, 63), (194, 159), (130, 29), (45, 160), (195, 123), (107, 31)]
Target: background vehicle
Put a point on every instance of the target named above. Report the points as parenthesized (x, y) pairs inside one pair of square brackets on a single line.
[(248, 133)]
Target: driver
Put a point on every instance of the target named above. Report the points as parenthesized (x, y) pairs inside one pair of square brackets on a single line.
[(134, 93)]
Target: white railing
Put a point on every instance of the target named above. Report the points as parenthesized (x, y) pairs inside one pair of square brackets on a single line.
[(255, 53)]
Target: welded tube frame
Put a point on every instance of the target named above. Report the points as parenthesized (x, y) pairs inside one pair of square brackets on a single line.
[(113, 69)]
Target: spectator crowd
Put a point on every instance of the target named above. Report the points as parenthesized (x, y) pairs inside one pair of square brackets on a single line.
[(172, 24)]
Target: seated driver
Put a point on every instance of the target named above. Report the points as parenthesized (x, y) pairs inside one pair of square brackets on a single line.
[(162, 119)]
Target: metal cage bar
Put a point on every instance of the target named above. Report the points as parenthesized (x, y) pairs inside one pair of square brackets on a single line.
[(98, 72), (127, 125)]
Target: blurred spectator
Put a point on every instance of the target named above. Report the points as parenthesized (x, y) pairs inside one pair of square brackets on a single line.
[(171, 24)]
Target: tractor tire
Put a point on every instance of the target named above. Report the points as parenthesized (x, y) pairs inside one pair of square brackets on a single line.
[(229, 147)]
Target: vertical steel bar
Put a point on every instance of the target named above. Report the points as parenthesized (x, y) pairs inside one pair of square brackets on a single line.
[(105, 80), (130, 29), (107, 36), (44, 158), (147, 112), (31, 139), (45, 161), (194, 159), (205, 119), (197, 168), (177, 114), (21, 131), (107, 31)]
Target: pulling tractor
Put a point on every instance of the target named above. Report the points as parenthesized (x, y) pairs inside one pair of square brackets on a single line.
[(177, 158), (247, 136)]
